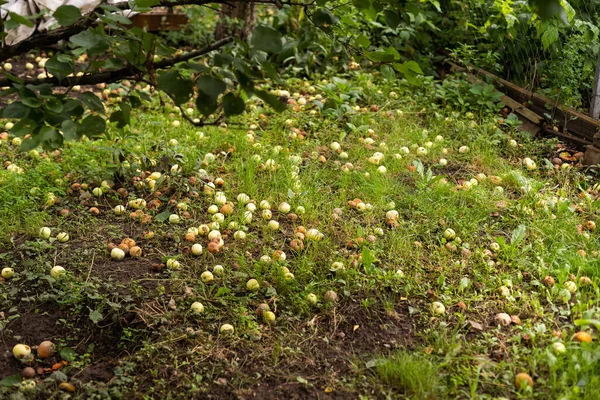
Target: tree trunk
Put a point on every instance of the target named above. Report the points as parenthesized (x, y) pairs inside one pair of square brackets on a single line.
[(237, 19)]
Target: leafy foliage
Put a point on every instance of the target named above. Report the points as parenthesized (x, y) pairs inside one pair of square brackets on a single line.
[(395, 36)]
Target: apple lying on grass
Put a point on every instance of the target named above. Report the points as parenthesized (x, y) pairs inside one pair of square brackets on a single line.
[(57, 271), (7, 273)]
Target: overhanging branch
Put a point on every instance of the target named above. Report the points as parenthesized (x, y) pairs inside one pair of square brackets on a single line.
[(49, 38), (119, 74)]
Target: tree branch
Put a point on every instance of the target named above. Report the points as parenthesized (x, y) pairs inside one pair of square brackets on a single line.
[(119, 74), (49, 38)]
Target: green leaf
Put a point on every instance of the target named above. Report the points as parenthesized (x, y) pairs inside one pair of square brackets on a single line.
[(223, 60), (12, 380), (92, 126), (116, 18), (23, 127), (392, 19), (32, 102), (93, 43), (388, 72), (50, 137), (58, 68), (549, 36), (179, 88), (266, 39), (324, 19), (54, 105), (163, 216), (67, 15), (271, 100), (390, 54), (362, 4), (15, 20), (68, 354), (582, 322), (367, 258), (122, 116), (206, 104), (233, 105), (548, 8), (518, 235), (92, 102), (30, 143), (69, 130), (15, 110), (362, 41), (210, 86), (96, 316), (411, 70), (146, 3)]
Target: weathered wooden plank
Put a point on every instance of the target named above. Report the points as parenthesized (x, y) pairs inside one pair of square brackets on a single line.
[(510, 102), (569, 119), (566, 116), (522, 110)]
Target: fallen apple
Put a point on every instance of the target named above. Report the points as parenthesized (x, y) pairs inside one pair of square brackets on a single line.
[(135, 251), (243, 198), (437, 308), (218, 270), (570, 286), (312, 298), (62, 237), (117, 254), (330, 296), (523, 381), (273, 225), (119, 210), (197, 307), (196, 249), (582, 337), (213, 209), (559, 347), (502, 319), (173, 264), (252, 285), (21, 351), (207, 277), (284, 208), (57, 271), (45, 349), (45, 232), (314, 234), (227, 329), (8, 273), (28, 373), (449, 234), (269, 316), (173, 219)]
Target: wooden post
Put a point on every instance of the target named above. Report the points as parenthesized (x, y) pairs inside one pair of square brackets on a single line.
[(595, 103)]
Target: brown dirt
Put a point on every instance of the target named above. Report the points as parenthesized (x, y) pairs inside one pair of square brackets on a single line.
[(32, 328), (346, 334)]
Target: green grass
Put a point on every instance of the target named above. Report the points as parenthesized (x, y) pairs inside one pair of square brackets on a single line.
[(412, 375), (134, 322)]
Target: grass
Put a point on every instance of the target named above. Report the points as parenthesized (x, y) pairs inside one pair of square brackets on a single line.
[(125, 327), (412, 375)]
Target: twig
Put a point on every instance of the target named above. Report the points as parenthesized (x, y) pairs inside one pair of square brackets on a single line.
[(91, 266)]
